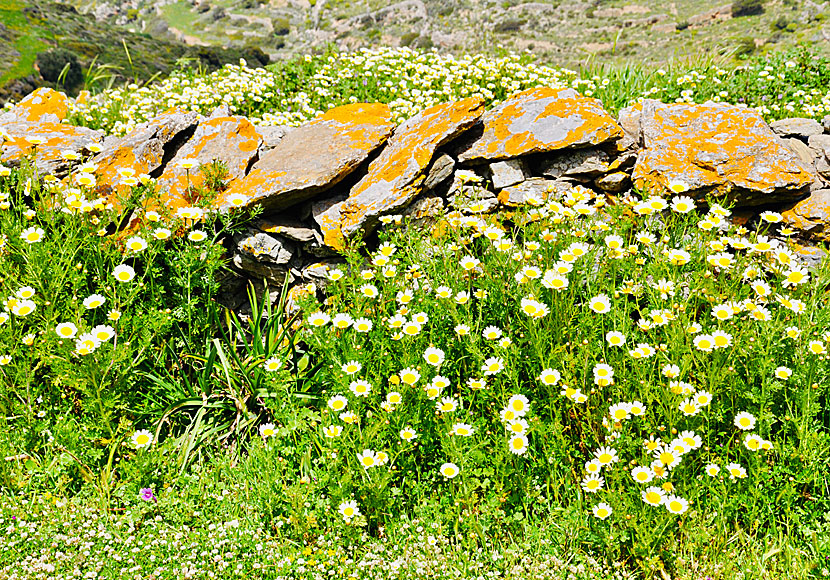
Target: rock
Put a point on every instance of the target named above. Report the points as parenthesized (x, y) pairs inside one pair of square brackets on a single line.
[(231, 140), (220, 111), (715, 145), (797, 146), (291, 230), (535, 189), (56, 137), (539, 120), (318, 156), (796, 127), (271, 135), (823, 167), (425, 207), (264, 247), (508, 172), (811, 215), (570, 163), (820, 144), (263, 270), (42, 106), (473, 199), (397, 175), (318, 272), (613, 182), (629, 119), (145, 149), (809, 256), (439, 172), (825, 123)]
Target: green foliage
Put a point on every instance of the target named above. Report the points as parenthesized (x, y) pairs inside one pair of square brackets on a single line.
[(61, 67), (747, 8)]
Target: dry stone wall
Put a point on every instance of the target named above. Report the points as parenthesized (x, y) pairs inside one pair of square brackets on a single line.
[(331, 181)]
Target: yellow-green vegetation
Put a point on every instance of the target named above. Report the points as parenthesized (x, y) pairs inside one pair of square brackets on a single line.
[(27, 43)]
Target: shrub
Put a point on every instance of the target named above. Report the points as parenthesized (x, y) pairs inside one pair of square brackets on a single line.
[(282, 26), (747, 8), (52, 64), (509, 25), (745, 47)]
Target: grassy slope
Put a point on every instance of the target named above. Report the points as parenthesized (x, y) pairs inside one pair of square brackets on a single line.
[(25, 39)]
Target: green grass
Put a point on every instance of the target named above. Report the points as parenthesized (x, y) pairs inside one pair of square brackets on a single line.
[(28, 43)]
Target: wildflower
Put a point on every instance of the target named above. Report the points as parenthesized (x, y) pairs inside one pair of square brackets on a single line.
[(642, 474), (678, 257), (447, 405), (94, 301), (795, 276), (188, 163), (123, 273), (333, 431), (689, 407), (667, 456), (816, 347), (600, 304), (603, 375), (712, 469), (745, 421), (272, 364), (161, 233), (753, 442), (318, 319), (469, 263), (704, 342), (462, 429), (32, 235), (337, 403), (237, 199), (360, 388), (619, 411), (349, 510), (434, 356), (86, 344), (690, 438), (550, 377), (518, 404), (25, 292), (103, 332), (606, 456), (476, 384), (533, 308), (735, 471), (722, 339), (367, 458), (394, 398), (352, 367), (349, 417), (491, 333), (410, 376), (771, 217), (408, 433), (722, 312), (653, 495), (676, 505), (602, 511), (593, 483), (682, 204), (449, 470), (615, 338), (342, 321), (554, 281), (146, 494), (267, 430), (462, 297), (518, 444), (136, 244), (702, 398), (142, 438), (66, 330), (792, 332), (197, 236), (783, 373), (492, 366)]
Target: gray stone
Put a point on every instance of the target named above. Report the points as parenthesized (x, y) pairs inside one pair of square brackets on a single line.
[(796, 127), (825, 123), (425, 207), (271, 135), (473, 199), (629, 119), (439, 172), (264, 247), (576, 162), (508, 172), (537, 188), (292, 230), (805, 153), (820, 144), (57, 137), (271, 272), (613, 182)]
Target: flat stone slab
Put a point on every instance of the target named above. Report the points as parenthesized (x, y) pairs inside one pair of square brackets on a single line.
[(796, 127), (396, 176), (57, 138), (231, 140), (536, 188), (540, 120), (143, 149), (44, 105), (811, 215), (316, 156), (713, 145)]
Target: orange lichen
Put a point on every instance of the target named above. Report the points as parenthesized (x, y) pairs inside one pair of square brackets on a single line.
[(40, 103)]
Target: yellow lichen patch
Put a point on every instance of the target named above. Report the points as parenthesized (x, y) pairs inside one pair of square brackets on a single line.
[(44, 104), (57, 137), (811, 215), (711, 145), (539, 120)]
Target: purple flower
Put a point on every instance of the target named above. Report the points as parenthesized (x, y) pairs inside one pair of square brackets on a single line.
[(147, 494)]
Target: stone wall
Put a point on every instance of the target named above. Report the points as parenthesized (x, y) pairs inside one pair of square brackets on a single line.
[(334, 179)]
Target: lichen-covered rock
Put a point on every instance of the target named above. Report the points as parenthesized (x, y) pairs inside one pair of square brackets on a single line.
[(811, 215), (231, 140), (425, 207), (41, 106), (145, 149), (439, 171), (508, 172), (264, 255), (717, 145), (53, 140), (613, 182), (629, 120), (290, 229), (534, 190), (317, 156), (396, 176), (540, 120), (796, 127)]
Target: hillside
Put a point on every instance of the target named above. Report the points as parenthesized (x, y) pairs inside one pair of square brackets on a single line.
[(558, 32)]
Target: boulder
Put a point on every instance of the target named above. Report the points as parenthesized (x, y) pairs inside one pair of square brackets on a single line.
[(825, 123), (536, 121), (715, 145), (271, 135), (56, 139), (146, 149), (317, 156), (396, 177), (629, 119), (797, 146), (264, 255), (537, 189), (425, 207), (811, 216), (508, 172), (289, 229), (796, 127), (613, 182), (41, 106), (820, 144), (231, 140)]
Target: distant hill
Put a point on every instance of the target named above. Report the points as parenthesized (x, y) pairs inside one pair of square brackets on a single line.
[(37, 39)]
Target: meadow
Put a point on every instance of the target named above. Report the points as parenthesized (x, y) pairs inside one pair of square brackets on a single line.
[(584, 387)]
